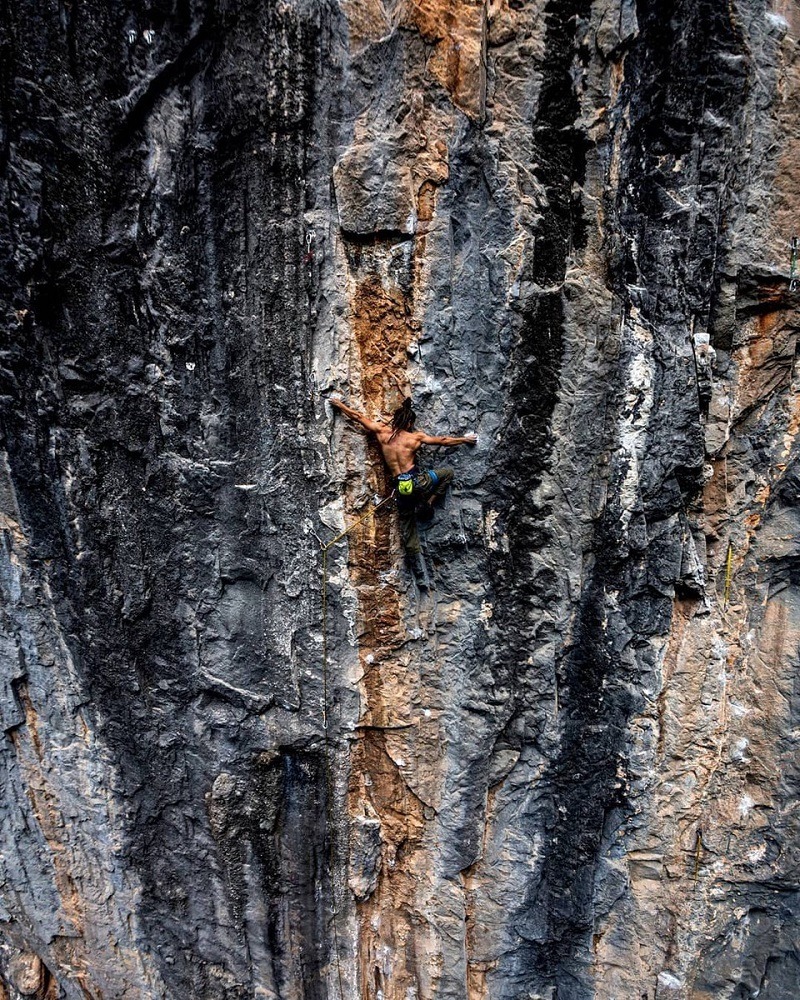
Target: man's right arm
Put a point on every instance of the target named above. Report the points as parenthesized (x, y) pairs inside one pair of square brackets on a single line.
[(371, 425)]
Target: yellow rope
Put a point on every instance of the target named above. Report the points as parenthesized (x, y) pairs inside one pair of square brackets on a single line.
[(728, 574), (355, 524), (698, 847), (333, 858)]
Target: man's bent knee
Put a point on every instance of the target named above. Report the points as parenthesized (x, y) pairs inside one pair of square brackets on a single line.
[(444, 475)]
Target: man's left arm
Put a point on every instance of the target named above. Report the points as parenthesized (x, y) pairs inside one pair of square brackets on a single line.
[(447, 440)]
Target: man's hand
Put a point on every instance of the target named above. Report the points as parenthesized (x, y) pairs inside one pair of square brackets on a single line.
[(471, 439), (340, 405)]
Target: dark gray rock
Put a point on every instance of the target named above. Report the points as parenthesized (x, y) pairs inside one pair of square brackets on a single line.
[(555, 758)]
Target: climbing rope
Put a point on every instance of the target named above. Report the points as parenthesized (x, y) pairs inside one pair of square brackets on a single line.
[(795, 246), (699, 847), (728, 574), (333, 857)]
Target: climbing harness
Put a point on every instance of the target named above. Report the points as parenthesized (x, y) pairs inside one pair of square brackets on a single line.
[(793, 276), (333, 858)]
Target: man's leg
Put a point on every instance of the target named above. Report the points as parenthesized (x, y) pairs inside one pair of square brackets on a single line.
[(444, 477), (408, 531), (432, 486)]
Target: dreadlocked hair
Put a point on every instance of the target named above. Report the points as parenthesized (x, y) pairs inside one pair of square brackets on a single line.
[(403, 419)]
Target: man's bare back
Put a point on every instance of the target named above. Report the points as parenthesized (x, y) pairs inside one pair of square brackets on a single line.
[(399, 451), (399, 447)]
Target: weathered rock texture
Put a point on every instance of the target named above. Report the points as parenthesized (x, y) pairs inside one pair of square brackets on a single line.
[(569, 770)]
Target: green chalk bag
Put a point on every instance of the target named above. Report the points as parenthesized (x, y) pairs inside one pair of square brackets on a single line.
[(405, 484)]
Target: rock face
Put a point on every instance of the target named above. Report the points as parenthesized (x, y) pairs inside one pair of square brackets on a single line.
[(559, 758)]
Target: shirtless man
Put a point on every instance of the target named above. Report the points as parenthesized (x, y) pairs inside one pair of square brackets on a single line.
[(399, 444)]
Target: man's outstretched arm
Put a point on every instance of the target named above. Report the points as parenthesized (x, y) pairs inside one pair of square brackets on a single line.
[(371, 425), (447, 440)]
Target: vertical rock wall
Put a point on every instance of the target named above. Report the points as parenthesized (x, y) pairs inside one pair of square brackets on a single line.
[(558, 759)]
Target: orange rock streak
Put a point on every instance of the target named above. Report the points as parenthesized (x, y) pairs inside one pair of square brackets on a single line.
[(384, 326)]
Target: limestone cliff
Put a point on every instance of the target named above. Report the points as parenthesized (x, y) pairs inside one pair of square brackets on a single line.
[(559, 760)]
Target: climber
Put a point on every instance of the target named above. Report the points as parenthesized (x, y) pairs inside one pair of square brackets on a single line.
[(416, 491)]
